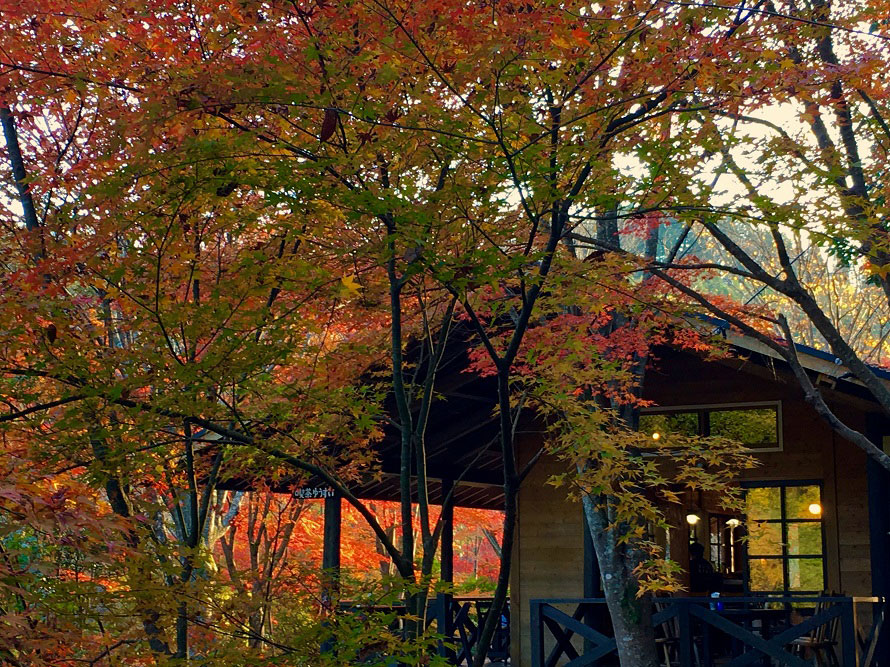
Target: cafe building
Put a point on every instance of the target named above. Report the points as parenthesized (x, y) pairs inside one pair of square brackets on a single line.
[(813, 523), (801, 567)]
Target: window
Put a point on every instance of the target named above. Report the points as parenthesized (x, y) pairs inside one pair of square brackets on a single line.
[(786, 552), (724, 535), (756, 425)]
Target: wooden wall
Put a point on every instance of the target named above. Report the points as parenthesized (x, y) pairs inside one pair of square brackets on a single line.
[(549, 553), (548, 556)]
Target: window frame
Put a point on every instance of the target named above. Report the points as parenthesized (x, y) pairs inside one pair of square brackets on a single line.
[(703, 411), (783, 521)]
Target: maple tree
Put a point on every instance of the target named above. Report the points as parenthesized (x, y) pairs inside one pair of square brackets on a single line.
[(856, 307), (788, 185), (243, 233)]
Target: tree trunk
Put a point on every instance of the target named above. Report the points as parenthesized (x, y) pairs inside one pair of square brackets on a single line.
[(631, 615)]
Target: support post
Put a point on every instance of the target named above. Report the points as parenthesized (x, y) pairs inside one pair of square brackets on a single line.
[(685, 631), (447, 550), (332, 519), (537, 637), (446, 558), (330, 558), (593, 615), (592, 584), (877, 430), (848, 635)]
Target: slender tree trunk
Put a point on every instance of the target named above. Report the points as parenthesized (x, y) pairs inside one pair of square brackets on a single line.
[(511, 490)]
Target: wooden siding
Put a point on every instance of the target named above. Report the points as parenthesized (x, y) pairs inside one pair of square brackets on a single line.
[(548, 557)]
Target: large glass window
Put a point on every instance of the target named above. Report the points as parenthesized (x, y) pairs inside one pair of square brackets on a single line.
[(755, 425), (785, 548)]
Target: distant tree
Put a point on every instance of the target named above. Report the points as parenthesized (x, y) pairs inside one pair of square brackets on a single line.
[(800, 163)]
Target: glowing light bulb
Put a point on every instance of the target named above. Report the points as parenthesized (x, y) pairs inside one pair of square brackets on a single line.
[(815, 508), (692, 519), (656, 436)]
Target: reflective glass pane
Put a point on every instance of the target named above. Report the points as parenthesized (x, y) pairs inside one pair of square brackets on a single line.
[(803, 502), (755, 427), (766, 574), (805, 574), (805, 539), (764, 503), (764, 539), (679, 423)]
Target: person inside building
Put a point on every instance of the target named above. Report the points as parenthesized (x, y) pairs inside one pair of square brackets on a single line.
[(701, 573)]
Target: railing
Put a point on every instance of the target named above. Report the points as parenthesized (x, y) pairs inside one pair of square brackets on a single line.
[(700, 631), (460, 620)]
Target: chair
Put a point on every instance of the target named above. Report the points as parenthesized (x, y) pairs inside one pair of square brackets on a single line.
[(820, 642), (667, 634), (868, 644), (667, 637)]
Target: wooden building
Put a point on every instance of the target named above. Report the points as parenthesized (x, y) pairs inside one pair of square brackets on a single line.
[(821, 505), (817, 516)]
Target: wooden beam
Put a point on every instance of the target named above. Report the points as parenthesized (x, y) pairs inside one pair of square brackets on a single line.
[(483, 478)]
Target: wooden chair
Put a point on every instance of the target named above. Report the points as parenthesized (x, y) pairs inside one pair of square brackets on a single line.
[(820, 643), (667, 635)]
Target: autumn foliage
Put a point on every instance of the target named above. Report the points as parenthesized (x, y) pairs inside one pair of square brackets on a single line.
[(237, 237)]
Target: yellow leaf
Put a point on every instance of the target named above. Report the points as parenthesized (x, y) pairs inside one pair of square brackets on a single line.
[(561, 42), (350, 284)]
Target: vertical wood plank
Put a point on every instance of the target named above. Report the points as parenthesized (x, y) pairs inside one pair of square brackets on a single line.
[(879, 525)]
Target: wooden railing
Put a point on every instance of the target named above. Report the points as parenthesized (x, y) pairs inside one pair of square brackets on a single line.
[(460, 620), (696, 632)]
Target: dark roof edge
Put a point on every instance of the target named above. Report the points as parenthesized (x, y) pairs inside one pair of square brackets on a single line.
[(749, 343)]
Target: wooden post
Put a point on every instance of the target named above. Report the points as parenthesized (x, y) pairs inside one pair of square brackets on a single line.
[(592, 584), (537, 634), (593, 616), (848, 634), (330, 558), (332, 517), (447, 551), (446, 557), (685, 631), (877, 429)]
